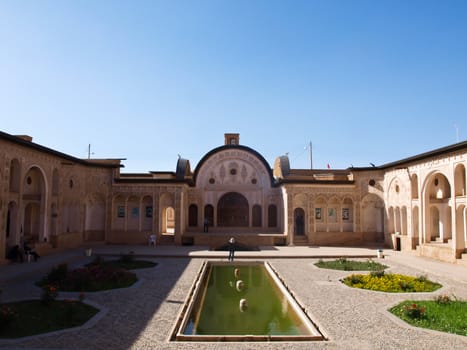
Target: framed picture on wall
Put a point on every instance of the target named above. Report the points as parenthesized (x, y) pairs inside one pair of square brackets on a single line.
[(318, 213), (149, 211), (345, 213), (121, 211)]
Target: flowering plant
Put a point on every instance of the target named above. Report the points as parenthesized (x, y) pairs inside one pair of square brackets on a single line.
[(414, 311), (49, 293), (444, 299)]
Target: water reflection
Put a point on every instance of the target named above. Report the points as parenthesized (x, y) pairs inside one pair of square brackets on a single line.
[(263, 309)]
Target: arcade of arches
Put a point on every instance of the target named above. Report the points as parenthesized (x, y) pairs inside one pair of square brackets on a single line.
[(57, 201)]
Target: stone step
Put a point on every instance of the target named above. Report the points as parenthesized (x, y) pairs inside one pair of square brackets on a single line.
[(165, 240), (300, 240), (463, 260)]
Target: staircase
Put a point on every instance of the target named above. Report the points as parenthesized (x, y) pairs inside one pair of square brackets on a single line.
[(300, 240), (165, 239), (462, 260)]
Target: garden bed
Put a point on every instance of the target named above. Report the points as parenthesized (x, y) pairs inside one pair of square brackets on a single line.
[(394, 283), (441, 314), (350, 265), (31, 317)]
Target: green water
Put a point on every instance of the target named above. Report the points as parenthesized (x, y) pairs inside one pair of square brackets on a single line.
[(219, 312)]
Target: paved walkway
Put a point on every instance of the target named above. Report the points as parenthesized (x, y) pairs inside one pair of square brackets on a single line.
[(142, 317)]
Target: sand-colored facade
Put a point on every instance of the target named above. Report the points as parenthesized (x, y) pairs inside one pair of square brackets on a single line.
[(58, 201)]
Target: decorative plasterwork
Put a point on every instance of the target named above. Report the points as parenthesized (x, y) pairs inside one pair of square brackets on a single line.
[(232, 168)]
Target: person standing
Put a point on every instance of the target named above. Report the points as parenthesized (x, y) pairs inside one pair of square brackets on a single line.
[(29, 251), (231, 248), (206, 225)]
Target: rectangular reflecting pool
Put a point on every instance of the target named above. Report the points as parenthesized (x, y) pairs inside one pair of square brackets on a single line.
[(242, 301)]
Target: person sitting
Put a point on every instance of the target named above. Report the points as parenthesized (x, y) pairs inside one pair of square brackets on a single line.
[(15, 254), (152, 240), (29, 251)]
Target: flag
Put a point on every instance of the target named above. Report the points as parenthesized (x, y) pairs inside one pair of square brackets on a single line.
[(329, 166)]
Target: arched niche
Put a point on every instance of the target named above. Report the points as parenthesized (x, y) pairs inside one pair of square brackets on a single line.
[(233, 210), (459, 180), (15, 175), (414, 186), (34, 199), (299, 221)]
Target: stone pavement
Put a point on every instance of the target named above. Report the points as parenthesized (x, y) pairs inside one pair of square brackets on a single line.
[(142, 316)]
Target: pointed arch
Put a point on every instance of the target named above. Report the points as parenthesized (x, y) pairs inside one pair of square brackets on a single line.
[(133, 213), (147, 214), (272, 215), (320, 214), (460, 180), (232, 210), (438, 211), (34, 204), (15, 175), (435, 222), (373, 214), (299, 221), (193, 215), (94, 218), (257, 216), (404, 220), (347, 215), (209, 214), (391, 226), (167, 207), (12, 225), (414, 186), (118, 213), (461, 227)]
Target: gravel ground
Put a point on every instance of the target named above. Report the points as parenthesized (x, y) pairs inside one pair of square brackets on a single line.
[(143, 316)]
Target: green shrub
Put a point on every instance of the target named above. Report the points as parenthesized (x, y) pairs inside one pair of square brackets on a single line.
[(57, 273), (377, 273), (344, 264), (414, 311), (89, 278), (444, 299), (49, 293)]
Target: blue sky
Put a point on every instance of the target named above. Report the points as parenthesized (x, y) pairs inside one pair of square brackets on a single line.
[(364, 81)]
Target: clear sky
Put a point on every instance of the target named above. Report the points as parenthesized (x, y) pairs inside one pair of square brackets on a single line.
[(364, 81)]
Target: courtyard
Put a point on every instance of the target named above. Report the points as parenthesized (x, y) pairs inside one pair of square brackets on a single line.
[(143, 316)]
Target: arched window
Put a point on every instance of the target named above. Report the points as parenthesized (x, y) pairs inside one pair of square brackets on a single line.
[(209, 214), (414, 186), (272, 215), (14, 175), (257, 217), (459, 180), (193, 215)]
